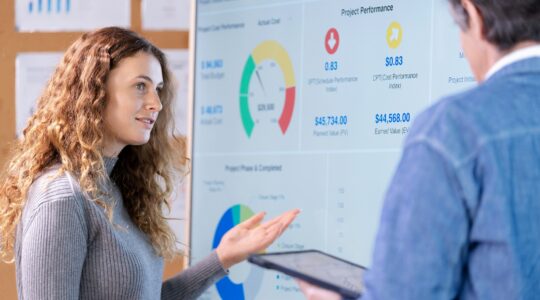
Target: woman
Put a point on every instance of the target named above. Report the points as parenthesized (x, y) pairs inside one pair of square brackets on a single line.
[(83, 196)]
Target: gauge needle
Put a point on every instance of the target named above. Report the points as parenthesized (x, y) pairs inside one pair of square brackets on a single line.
[(260, 82)]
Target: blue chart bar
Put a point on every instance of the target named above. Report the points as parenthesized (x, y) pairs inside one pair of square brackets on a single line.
[(39, 7)]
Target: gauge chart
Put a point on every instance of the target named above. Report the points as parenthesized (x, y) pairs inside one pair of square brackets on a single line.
[(267, 88)]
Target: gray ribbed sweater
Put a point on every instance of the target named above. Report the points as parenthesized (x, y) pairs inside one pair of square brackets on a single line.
[(66, 248)]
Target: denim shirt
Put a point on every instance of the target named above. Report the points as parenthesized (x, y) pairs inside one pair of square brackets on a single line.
[(461, 218)]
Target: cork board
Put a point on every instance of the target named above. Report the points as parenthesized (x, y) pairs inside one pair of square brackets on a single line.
[(13, 42)]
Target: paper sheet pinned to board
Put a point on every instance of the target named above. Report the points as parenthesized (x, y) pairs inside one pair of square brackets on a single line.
[(165, 14), (32, 72), (179, 64), (71, 15)]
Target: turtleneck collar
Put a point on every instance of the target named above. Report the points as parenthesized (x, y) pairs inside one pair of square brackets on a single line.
[(110, 162)]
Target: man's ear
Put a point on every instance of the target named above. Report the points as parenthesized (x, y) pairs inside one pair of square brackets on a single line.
[(476, 20)]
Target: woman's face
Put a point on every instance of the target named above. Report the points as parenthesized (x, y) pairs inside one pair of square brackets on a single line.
[(133, 102)]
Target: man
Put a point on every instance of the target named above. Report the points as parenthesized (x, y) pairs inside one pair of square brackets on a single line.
[(462, 215)]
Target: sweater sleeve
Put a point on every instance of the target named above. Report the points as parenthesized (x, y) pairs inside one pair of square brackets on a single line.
[(53, 251), (192, 282)]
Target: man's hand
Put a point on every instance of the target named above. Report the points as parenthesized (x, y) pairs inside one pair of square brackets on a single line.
[(251, 237)]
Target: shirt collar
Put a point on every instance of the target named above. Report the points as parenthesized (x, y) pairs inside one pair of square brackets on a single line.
[(110, 162), (512, 57)]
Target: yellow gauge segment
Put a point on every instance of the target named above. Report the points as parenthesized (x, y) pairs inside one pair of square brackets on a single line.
[(272, 50)]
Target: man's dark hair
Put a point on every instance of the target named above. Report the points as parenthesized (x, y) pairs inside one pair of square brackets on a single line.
[(506, 22)]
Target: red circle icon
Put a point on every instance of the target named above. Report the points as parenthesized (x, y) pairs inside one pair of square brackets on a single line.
[(331, 41)]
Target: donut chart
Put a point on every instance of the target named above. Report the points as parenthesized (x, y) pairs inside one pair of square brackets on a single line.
[(227, 289)]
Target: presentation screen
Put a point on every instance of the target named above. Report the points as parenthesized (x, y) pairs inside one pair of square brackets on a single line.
[(306, 104)]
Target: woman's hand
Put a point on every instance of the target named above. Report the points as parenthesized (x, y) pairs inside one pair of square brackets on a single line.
[(251, 237), (313, 292)]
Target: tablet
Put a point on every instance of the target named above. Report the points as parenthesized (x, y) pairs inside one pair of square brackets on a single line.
[(317, 268)]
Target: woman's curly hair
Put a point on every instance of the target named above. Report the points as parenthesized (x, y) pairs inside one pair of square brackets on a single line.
[(68, 127)]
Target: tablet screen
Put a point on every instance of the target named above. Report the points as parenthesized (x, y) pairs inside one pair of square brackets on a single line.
[(322, 267)]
